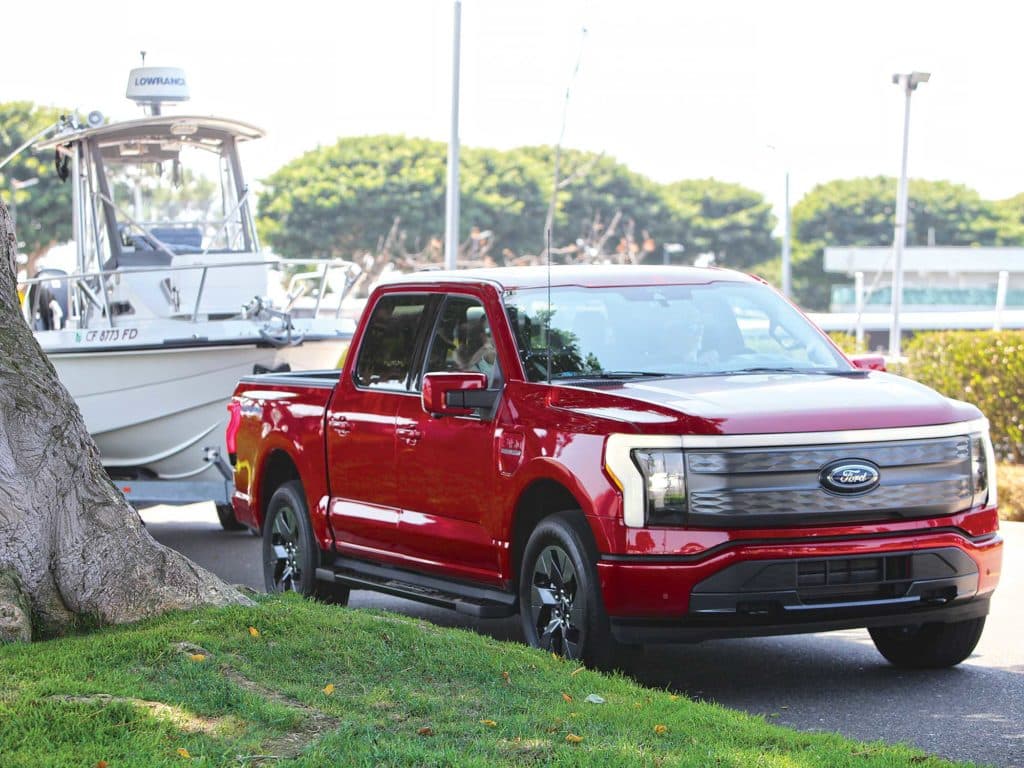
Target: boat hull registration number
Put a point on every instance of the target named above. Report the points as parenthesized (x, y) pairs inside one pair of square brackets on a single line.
[(108, 334)]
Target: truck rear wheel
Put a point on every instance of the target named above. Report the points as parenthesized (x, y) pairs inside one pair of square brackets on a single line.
[(560, 604), (290, 551), (928, 646)]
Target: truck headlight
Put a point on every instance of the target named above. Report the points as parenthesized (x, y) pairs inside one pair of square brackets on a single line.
[(664, 473), (983, 480)]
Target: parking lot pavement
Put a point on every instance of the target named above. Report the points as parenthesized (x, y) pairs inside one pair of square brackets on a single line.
[(831, 681)]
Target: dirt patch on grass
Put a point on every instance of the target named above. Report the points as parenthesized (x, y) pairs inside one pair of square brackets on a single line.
[(314, 723)]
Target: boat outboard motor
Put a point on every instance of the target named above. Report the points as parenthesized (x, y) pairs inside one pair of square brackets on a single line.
[(47, 302)]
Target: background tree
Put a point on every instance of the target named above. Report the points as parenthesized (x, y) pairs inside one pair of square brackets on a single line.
[(337, 200), (385, 195), (43, 209), (729, 220), (600, 204), (72, 550), (861, 212), (1010, 220)]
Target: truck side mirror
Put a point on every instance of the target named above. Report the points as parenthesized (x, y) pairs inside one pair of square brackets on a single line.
[(455, 393), (868, 362)]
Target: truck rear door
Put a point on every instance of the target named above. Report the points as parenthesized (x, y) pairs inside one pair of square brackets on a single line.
[(360, 426)]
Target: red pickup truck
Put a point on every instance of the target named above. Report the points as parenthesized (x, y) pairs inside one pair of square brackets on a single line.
[(622, 455)]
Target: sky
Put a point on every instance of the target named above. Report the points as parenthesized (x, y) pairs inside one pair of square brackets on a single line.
[(740, 91)]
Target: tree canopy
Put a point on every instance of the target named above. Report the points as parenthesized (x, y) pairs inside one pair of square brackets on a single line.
[(729, 220), (337, 200), (861, 212), (41, 202)]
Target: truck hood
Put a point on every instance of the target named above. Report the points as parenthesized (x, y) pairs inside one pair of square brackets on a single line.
[(767, 403)]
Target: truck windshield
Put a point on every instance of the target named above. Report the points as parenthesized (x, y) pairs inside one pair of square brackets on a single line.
[(666, 330)]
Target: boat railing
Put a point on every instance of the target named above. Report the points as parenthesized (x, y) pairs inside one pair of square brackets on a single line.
[(91, 287)]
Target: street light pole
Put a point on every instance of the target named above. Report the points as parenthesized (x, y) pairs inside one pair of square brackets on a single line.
[(15, 186), (787, 287), (451, 221), (787, 268), (908, 83)]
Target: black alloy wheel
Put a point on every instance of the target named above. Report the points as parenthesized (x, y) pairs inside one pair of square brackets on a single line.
[(290, 552), (555, 614), (560, 606)]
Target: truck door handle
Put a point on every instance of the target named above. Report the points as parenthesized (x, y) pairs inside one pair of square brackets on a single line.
[(409, 435), (340, 425)]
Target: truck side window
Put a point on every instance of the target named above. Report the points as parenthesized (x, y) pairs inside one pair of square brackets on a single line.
[(462, 340), (389, 343)]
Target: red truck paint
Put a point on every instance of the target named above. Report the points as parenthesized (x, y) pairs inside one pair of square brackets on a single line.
[(388, 485)]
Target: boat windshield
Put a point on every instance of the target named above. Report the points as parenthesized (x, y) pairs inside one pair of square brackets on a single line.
[(627, 332), (175, 196)]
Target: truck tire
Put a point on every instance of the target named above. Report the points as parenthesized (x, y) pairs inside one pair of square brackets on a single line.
[(560, 605), (290, 551), (928, 646), (228, 521)]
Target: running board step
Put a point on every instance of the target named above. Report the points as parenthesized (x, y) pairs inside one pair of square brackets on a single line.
[(480, 602)]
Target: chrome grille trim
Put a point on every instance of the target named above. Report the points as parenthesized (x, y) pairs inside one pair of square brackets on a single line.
[(619, 463), (813, 458), (797, 503), (783, 486)]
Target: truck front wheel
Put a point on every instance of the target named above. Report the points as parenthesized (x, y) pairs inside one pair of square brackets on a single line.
[(290, 551), (559, 601), (928, 646)]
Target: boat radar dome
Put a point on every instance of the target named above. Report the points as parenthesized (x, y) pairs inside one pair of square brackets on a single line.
[(150, 87)]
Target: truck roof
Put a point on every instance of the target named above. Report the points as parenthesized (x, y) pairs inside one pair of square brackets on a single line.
[(587, 275)]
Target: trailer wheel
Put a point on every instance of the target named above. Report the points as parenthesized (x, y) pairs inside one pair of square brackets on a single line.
[(228, 521)]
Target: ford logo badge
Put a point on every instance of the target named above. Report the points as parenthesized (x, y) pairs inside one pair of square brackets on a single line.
[(849, 476)]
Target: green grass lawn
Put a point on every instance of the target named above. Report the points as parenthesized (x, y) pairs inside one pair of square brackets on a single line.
[(316, 685)]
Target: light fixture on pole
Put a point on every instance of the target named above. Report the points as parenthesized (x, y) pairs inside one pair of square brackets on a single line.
[(451, 218), (908, 83)]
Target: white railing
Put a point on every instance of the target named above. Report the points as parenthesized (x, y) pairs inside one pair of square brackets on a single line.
[(90, 288)]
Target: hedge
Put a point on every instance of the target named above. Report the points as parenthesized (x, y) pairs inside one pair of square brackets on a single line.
[(985, 368)]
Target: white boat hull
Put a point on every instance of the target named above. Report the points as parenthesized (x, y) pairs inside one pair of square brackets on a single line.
[(154, 412)]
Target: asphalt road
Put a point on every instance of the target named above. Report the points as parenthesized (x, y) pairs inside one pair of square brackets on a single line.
[(831, 681)]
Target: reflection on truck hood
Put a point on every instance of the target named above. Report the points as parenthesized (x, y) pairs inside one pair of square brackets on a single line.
[(776, 402)]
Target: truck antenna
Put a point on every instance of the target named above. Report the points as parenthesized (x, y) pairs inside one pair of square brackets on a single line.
[(547, 322)]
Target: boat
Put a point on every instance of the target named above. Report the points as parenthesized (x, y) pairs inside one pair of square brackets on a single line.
[(169, 299)]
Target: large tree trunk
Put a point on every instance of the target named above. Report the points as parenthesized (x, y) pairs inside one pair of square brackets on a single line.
[(77, 547)]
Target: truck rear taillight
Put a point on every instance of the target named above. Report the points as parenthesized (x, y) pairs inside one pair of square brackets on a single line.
[(231, 434)]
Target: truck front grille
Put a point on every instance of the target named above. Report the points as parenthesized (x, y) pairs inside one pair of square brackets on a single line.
[(782, 486)]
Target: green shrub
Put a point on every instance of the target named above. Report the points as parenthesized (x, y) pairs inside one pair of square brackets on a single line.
[(847, 342), (1010, 479), (985, 368)]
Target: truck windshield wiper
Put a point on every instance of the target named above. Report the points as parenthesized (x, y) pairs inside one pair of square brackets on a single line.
[(612, 375), (849, 372)]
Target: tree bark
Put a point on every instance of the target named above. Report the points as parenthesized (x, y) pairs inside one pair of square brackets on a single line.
[(77, 547)]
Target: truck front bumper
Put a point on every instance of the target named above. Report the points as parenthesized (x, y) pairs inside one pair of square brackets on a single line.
[(787, 587)]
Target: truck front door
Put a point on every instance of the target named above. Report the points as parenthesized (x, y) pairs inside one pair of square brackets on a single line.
[(446, 469)]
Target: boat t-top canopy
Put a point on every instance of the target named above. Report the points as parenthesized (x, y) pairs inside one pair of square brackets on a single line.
[(156, 138)]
